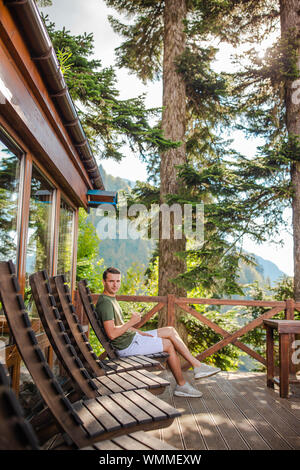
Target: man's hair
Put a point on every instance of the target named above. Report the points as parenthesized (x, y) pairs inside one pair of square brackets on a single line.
[(112, 271)]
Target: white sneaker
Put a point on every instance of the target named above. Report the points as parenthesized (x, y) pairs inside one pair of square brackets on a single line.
[(205, 371), (187, 390)]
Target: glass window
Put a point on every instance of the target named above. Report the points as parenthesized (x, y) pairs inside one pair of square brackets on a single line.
[(65, 240), (40, 230), (9, 202)]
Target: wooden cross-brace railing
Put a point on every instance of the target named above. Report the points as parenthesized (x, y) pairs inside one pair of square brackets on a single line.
[(171, 301), (230, 337)]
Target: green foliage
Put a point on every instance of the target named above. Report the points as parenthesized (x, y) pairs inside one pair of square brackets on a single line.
[(259, 86), (206, 89), (109, 122), (284, 289), (64, 61), (235, 199), (44, 3), (96, 345), (233, 21), (257, 337), (285, 152), (141, 51), (89, 266), (230, 357), (201, 337), (9, 186), (133, 283)]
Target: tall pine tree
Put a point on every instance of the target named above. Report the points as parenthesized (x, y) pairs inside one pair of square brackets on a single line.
[(290, 34), (269, 102), (170, 39), (154, 45)]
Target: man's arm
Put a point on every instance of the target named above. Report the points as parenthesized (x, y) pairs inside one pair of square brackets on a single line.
[(114, 331)]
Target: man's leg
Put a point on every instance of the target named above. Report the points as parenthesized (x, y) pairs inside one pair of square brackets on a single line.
[(183, 388), (171, 334), (173, 361), (201, 370), (147, 344)]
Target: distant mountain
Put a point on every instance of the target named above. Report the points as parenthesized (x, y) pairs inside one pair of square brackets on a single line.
[(266, 272), (269, 269), (114, 183)]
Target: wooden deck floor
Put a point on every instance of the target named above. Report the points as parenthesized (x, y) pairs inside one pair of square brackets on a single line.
[(237, 412)]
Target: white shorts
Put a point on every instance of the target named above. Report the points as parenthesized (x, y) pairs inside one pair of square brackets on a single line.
[(143, 345)]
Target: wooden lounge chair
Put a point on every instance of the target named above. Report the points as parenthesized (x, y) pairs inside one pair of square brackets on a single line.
[(90, 311), (61, 293), (16, 433), (138, 440), (99, 382), (88, 420)]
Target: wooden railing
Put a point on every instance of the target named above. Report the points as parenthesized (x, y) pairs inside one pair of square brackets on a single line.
[(13, 359), (170, 301)]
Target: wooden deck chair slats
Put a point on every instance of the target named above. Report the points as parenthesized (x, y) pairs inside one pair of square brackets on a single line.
[(63, 300), (92, 315), (78, 424), (15, 431), (32, 355), (135, 441), (66, 352)]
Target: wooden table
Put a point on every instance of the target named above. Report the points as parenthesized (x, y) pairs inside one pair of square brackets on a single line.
[(285, 328)]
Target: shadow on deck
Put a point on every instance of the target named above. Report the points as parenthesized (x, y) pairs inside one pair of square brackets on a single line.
[(237, 412)]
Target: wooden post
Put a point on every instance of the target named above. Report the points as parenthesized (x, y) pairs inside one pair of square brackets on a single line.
[(171, 310), (289, 315), (284, 343), (289, 310), (270, 357)]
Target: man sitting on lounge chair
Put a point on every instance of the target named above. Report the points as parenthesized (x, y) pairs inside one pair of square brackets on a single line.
[(129, 341)]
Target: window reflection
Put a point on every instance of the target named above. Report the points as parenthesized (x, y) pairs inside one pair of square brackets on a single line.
[(65, 240), (40, 229), (9, 202)]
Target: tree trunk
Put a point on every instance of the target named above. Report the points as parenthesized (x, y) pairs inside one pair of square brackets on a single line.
[(173, 124), (290, 25)]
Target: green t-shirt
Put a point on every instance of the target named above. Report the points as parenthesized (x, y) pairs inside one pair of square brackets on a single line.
[(108, 308)]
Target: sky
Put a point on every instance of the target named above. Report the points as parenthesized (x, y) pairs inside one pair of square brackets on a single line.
[(88, 16)]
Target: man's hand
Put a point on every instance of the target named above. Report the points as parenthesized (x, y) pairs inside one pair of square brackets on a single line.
[(135, 318)]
